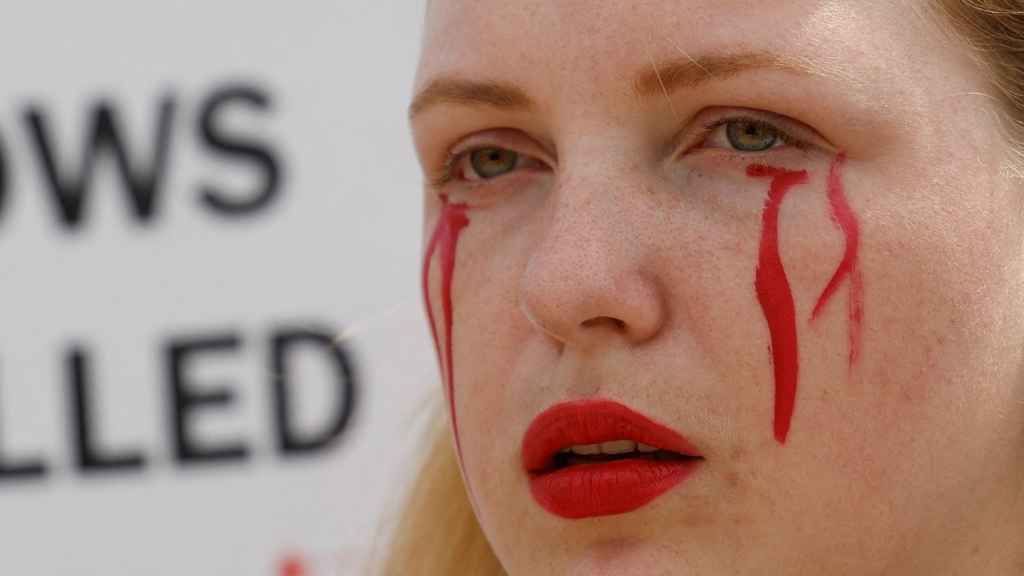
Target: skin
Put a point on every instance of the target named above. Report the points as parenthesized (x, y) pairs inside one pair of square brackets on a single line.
[(606, 264)]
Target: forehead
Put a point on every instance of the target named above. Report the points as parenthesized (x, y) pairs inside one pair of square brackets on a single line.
[(595, 41)]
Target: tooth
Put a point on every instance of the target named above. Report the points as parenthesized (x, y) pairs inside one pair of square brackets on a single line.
[(587, 449), (565, 450), (618, 447), (645, 448)]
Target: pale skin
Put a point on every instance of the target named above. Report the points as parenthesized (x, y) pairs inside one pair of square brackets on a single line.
[(615, 255)]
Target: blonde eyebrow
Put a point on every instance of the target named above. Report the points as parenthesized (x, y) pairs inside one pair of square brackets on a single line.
[(688, 73), (661, 79), (455, 90)]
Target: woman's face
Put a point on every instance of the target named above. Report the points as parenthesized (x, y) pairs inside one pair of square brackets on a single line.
[(781, 231)]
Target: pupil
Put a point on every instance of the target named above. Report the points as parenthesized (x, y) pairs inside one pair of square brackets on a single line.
[(749, 136), (492, 162)]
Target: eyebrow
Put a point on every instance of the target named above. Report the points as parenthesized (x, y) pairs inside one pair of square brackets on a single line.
[(663, 78)]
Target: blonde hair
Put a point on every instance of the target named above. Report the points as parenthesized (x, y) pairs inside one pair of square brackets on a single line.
[(994, 32), (438, 535)]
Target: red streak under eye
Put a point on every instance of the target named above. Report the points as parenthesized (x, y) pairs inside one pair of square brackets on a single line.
[(445, 238), (776, 297), (844, 217)]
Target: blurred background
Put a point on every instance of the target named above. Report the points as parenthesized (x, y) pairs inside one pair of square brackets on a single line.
[(213, 359)]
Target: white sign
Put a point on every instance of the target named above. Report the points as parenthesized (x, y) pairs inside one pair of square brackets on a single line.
[(212, 350)]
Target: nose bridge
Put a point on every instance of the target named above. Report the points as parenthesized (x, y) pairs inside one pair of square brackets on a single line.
[(593, 217), (586, 278), (600, 191)]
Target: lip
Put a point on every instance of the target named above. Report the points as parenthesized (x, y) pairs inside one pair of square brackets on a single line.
[(601, 488)]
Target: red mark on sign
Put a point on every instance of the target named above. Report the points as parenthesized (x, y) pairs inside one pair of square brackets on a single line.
[(445, 240), (844, 217), (292, 566), (776, 297)]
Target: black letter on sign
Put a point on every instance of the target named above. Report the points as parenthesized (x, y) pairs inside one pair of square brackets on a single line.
[(71, 193), (184, 401), (259, 154), (19, 471), (285, 341), (89, 457)]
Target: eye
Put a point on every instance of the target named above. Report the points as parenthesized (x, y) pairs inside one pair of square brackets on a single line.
[(746, 135), (482, 164), (490, 163), (751, 136)]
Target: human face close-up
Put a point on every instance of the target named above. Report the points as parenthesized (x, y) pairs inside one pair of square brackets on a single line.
[(764, 256)]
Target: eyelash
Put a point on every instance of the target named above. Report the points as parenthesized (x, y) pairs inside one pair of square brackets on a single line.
[(446, 174)]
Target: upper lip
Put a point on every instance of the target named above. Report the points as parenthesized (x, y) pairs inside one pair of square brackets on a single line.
[(593, 421)]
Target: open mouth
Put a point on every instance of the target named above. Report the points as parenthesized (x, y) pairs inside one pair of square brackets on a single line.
[(597, 457), (610, 452)]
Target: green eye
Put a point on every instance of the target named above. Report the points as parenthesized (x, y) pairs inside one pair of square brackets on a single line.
[(492, 162), (751, 135)]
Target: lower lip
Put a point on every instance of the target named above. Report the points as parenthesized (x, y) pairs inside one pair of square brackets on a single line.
[(607, 488)]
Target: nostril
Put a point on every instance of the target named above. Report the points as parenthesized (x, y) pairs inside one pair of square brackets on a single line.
[(614, 323)]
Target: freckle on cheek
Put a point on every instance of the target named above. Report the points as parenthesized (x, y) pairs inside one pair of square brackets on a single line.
[(738, 453)]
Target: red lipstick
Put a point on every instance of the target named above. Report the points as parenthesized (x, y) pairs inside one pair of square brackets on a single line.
[(579, 483)]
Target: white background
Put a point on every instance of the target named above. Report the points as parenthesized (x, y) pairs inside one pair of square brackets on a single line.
[(339, 247)]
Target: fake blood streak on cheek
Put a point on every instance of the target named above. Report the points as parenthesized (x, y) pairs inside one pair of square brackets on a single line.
[(445, 240), (776, 297), (844, 217)]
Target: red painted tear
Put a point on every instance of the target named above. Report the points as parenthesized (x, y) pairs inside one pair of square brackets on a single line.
[(844, 217), (445, 240), (776, 297)]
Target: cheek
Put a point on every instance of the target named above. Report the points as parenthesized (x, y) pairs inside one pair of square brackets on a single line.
[(772, 299), (941, 320), (498, 359), (922, 422), (492, 344), (946, 280)]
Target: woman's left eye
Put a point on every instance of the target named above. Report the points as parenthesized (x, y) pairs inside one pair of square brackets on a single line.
[(745, 135), (487, 163)]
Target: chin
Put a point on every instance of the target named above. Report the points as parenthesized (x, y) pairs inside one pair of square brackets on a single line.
[(621, 557)]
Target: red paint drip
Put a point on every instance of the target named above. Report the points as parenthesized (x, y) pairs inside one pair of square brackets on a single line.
[(776, 297), (844, 217), (445, 239)]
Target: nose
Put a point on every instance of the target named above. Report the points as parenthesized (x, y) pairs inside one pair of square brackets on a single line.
[(590, 282)]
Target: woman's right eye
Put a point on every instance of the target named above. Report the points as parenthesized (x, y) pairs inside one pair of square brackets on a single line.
[(482, 164)]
